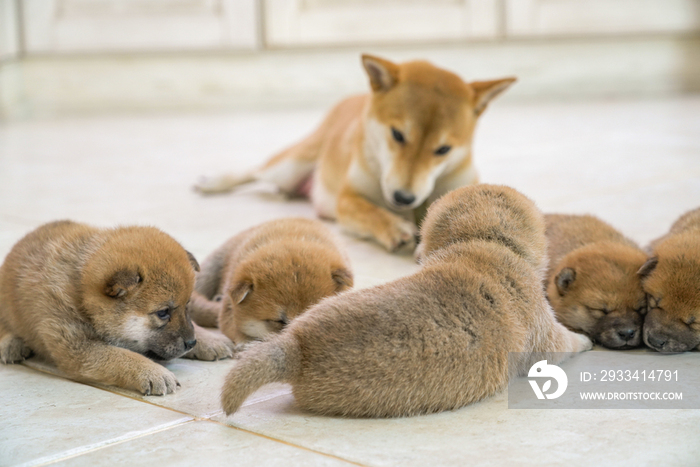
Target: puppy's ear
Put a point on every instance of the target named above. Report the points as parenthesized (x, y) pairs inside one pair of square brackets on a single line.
[(193, 261), (484, 91), (121, 283), (383, 74), (343, 279), (241, 291), (564, 280), (648, 267)]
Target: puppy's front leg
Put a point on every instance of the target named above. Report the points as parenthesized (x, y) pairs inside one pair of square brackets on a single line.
[(360, 216), (99, 362), (210, 346)]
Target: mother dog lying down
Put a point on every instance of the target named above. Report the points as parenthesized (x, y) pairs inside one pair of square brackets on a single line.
[(433, 341)]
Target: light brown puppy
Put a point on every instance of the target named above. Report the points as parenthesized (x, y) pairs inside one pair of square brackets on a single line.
[(436, 340), (592, 281), (98, 302), (378, 160), (268, 275), (671, 278)]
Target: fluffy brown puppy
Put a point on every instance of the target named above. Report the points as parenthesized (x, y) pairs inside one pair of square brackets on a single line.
[(592, 280), (671, 278), (98, 302), (261, 279), (436, 340)]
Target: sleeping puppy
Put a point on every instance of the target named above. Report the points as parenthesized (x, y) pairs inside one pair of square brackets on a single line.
[(671, 278), (592, 280), (261, 279), (99, 302), (436, 340)]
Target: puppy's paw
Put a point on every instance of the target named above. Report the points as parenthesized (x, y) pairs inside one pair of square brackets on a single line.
[(156, 380), (13, 350), (402, 236), (211, 346), (583, 343)]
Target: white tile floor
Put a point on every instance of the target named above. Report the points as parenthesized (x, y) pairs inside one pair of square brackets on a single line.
[(636, 164)]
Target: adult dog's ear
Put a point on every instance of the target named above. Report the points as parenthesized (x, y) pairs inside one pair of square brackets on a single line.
[(383, 74), (121, 283), (564, 279), (193, 261), (648, 267), (343, 278), (485, 91)]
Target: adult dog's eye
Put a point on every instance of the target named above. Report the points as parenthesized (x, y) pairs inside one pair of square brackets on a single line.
[(442, 150), (163, 314), (398, 136)]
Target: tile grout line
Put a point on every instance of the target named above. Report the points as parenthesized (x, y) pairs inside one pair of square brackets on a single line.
[(79, 451), (193, 418), (244, 430)]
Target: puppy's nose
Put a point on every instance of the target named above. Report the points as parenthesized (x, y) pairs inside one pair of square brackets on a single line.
[(626, 334), (190, 344), (403, 197), (657, 342)]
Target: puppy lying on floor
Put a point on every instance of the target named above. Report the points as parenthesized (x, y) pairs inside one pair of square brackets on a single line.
[(261, 279), (436, 340), (592, 281), (98, 302), (378, 160), (671, 278)]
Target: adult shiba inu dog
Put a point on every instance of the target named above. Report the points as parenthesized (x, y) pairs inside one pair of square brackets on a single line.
[(378, 160), (98, 302), (263, 278), (671, 278), (592, 281), (436, 340)]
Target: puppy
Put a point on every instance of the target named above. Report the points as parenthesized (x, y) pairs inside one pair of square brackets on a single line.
[(267, 276), (436, 340), (592, 281), (671, 278), (378, 159), (98, 303)]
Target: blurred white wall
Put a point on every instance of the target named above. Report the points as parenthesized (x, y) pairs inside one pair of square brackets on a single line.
[(76, 56)]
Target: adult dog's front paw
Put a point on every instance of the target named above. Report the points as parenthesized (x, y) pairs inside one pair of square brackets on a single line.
[(402, 236)]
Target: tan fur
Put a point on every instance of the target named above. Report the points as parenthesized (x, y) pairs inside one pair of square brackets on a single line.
[(592, 280), (436, 340), (266, 276), (375, 185), (87, 300), (671, 278)]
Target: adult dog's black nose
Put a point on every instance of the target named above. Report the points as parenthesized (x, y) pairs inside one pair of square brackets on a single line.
[(190, 344), (403, 197), (626, 334), (657, 342)]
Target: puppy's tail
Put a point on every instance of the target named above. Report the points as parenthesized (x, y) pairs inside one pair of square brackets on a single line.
[(278, 359)]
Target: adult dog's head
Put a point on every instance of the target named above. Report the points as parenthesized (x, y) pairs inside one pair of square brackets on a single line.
[(420, 125)]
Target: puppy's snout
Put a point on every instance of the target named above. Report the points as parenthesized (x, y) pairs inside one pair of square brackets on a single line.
[(190, 344), (627, 333), (658, 342), (403, 198)]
